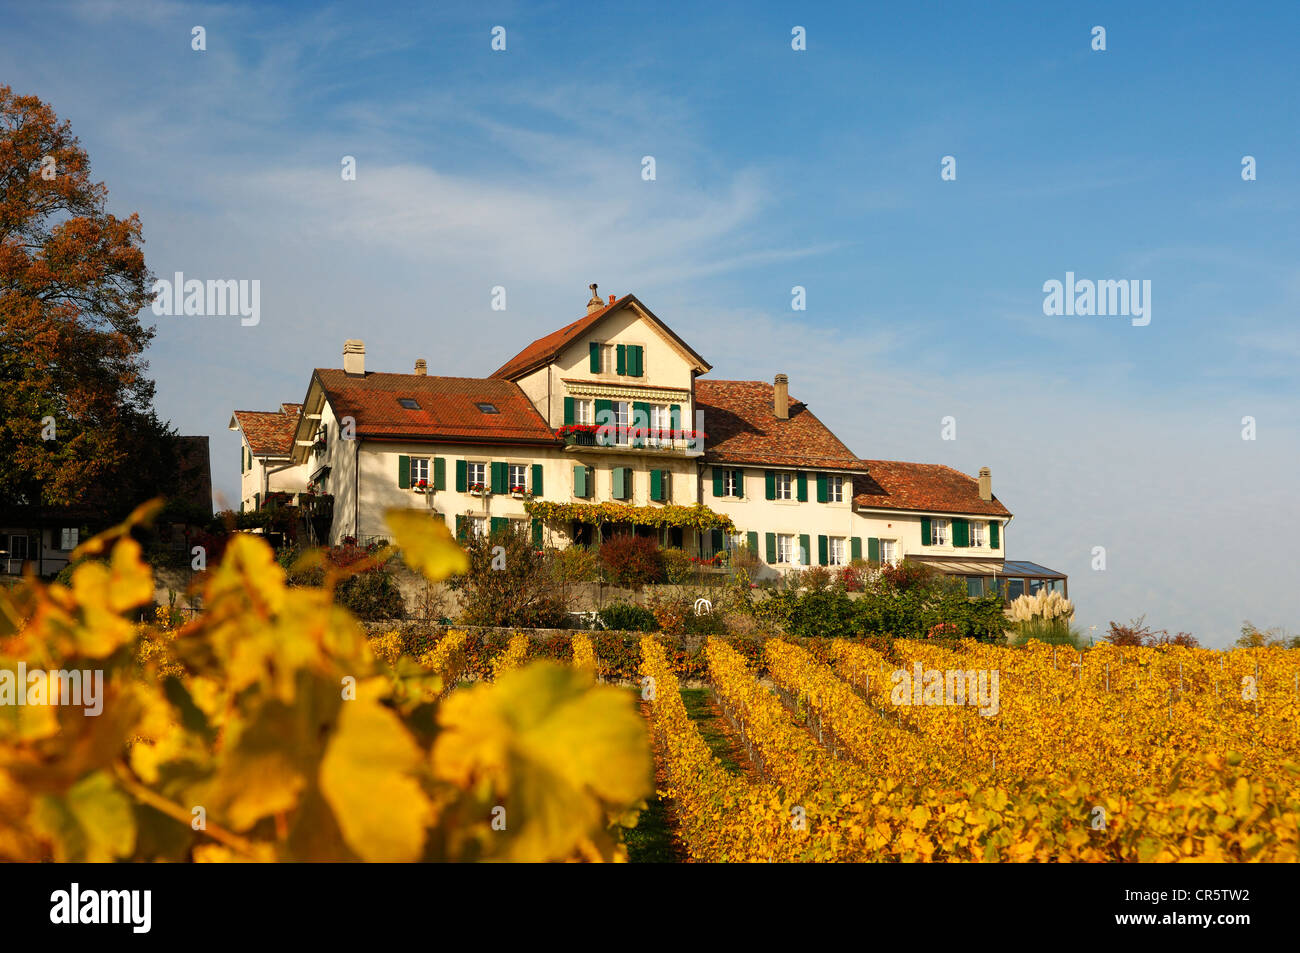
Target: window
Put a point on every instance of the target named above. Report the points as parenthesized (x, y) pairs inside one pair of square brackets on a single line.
[(977, 533), (974, 586), (785, 486), (835, 551), (784, 548), (582, 412), (409, 403), (477, 475), (488, 408), (1015, 589), (478, 525), (731, 483), (835, 489), (939, 532), (621, 408), (658, 421), (419, 471), (609, 363), (518, 477), (68, 537), (888, 552)]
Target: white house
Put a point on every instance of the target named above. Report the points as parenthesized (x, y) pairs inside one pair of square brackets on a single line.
[(611, 411)]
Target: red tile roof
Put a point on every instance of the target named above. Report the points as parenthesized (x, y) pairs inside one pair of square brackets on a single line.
[(447, 407), (741, 427), (546, 349), (269, 432), (930, 487)]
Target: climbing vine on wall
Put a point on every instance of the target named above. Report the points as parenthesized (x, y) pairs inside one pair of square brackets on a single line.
[(696, 516)]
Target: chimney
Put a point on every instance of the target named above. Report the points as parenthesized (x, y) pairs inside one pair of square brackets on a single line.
[(781, 395), (421, 368), (986, 484), (612, 299), (595, 304), (354, 358)]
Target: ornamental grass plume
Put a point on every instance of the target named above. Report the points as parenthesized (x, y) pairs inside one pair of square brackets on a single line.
[(1045, 605)]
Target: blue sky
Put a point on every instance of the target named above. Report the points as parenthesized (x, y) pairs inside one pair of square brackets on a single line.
[(774, 168)]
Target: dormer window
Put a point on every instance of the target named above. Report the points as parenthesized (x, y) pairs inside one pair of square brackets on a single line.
[(489, 408), (409, 403)]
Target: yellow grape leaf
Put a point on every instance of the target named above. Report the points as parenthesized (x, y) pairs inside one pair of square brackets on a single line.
[(249, 572), (104, 592), (366, 776), (91, 823), (560, 749), (427, 545), (264, 766)]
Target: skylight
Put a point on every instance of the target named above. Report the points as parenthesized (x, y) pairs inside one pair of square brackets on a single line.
[(489, 408), (409, 403)]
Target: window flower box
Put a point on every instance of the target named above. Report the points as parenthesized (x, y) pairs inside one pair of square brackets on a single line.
[(518, 492), (422, 486), (477, 489)]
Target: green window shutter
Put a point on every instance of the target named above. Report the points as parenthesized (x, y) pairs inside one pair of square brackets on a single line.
[(537, 533), (579, 481), (403, 472), (604, 418), (462, 476), (855, 547), (769, 477), (752, 541), (569, 415), (674, 416), (823, 491), (873, 549), (805, 549), (656, 484), (640, 361), (823, 551), (960, 532), (715, 540), (257, 502), (718, 486), (593, 350), (640, 421), (460, 527), (537, 479), (498, 524), (740, 483), (440, 473), (925, 531), (770, 540), (241, 506), (620, 366), (993, 534), (619, 483), (801, 486), (243, 459), (501, 477)]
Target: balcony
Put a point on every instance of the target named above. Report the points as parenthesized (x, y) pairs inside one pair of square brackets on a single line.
[(586, 437)]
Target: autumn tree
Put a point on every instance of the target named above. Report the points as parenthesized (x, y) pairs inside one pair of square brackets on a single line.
[(76, 417)]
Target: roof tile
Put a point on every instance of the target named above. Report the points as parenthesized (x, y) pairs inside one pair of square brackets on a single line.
[(448, 407), (741, 427), (929, 487)]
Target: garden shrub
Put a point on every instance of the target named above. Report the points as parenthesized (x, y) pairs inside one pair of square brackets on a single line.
[(629, 617), (575, 563), (679, 569), (632, 560), (521, 591)]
